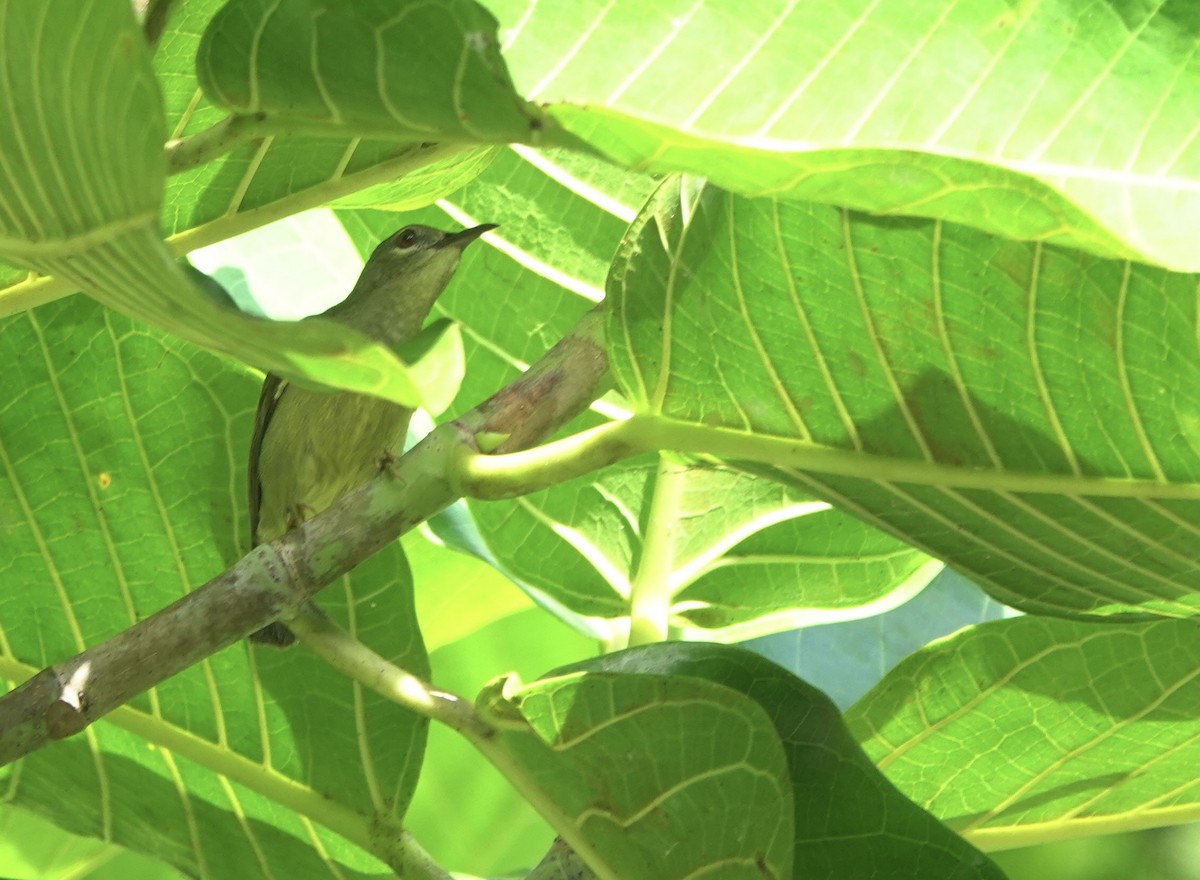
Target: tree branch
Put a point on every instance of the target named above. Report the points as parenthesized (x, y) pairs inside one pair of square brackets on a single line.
[(274, 578), (218, 139)]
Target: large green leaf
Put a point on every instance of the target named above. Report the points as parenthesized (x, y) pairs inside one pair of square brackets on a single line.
[(85, 183), (406, 69), (625, 767), (1025, 730), (1024, 413), (122, 487), (850, 821), (1062, 121)]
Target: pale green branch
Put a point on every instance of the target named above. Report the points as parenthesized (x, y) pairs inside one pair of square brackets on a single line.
[(505, 476), (356, 661), (360, 663), (37, 290)]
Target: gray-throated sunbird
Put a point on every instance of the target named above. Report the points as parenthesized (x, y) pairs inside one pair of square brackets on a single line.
[(311, 447)]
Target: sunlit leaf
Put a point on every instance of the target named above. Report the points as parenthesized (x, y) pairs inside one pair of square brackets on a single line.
[(1050, 121), (122, 487), (1072, 727)]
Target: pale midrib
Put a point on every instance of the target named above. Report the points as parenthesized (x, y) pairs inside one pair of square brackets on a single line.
[(661, 432), (50, 248), (755, 559), (319, 848)]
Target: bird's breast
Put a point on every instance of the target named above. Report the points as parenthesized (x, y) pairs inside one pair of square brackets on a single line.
[(320, 446)]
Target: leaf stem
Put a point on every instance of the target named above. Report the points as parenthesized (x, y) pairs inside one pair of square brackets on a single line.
[(650, 592), (38, 289), (355, 660), (358, 662), (504, 476), (239, 129)]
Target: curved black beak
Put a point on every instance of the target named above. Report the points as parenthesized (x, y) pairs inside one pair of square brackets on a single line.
[(461, 239)]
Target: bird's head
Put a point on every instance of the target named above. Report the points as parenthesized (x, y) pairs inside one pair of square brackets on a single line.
[(402, 279)]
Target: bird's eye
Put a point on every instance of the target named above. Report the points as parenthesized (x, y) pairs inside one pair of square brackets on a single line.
[(406, 237)]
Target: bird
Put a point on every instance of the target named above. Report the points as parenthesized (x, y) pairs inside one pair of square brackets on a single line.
[(310, 447)]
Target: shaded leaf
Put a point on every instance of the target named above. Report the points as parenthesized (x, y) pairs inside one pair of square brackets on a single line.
[(928, 379), (849, 821), (626, 767), (411, 70)]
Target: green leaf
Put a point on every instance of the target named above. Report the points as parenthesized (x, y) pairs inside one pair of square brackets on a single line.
[(928, 378), (76, 166), (708, 550), (122, 475), (1042, 121), (407, 69), (85, 200), (33, 849), (850, 821), (437, 363), (1043, 729), (627, 766)]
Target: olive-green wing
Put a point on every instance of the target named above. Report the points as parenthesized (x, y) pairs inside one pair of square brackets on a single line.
[(268, 401)]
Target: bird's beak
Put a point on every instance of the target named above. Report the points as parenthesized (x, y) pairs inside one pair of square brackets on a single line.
[(461, 239)]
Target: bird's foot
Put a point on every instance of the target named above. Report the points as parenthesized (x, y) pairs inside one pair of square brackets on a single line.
[(298, 513)]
